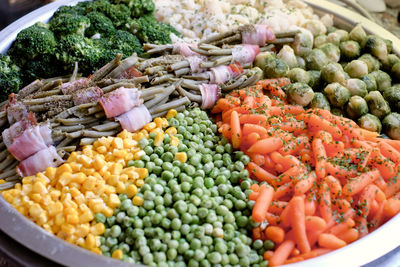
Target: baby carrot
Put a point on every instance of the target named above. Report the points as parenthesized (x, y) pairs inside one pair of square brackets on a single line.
[(262, 203), (334, 185), (357, 184), (299, 224), (275, 234), (341, 227), (260, 173), (320, 158), (282, 253), (283, 190), (268, 255), (325, 202), (310, 206), (315, 223), (394, 143), (257, 158), (330, 241), (304, 185), (349, 235), (258, 119), (250, 139), (392, 207), (254, 128), (277, 207), (236, 131), (389, 152), (316, 123), (265, 146), (294, 146)]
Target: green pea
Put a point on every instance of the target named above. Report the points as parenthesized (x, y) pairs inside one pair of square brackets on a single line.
[(100, 218)]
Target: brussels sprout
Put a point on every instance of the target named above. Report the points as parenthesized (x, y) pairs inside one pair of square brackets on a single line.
[(389, 45), (357, 87), (303, 43), (370, 82), (337, 94), (350, 49), (393, 59), (330, 29), (331, 51), (316, 27), (356, 107), (301, 63), (372, 62), (316, 59), (370, 122), (315, 79), (356, 68), (300, 94), (320, 101), (337, 112), (333, 72), (358, 34), (392, 95), (377, 104), (391, 125), (319, 40), (299, 75), (262, 58), (383, 80), (377, 47), (396, 70), (337, 36), (287, 54), (273, 67)]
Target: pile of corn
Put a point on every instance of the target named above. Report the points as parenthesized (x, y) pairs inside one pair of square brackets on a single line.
[(65, 200)]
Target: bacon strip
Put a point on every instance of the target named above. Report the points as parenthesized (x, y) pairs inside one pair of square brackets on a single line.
[(184, 49), (16, 111), (260, 35), (134, 119), (70, 87), (18, 128), (209, 95), (87, 95), (39, 162), (120, 101), (244, 54)]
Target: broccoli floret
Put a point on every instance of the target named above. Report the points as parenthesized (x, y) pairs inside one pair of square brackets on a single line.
[(99, 23), (45, 66), (119, 14), (74, 10), (149, 30), (138, 7), (32, 42), (66, 24), (85, 51), (126, 43), (10, 80)]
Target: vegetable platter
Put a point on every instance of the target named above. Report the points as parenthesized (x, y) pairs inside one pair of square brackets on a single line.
[(126, 185)]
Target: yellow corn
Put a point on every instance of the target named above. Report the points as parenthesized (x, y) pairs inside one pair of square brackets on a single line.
[(143, 172), (137, 201), (117, 254), (131, 190), (171, 131), (90, 241), (181, 156), (150, 126), (171, 114), (113, 201), (174, 141), (158, 140), (98, 229)]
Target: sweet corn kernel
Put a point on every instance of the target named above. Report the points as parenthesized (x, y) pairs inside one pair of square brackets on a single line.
[(107, 211), (181, 156), (119, 153), (116, 169), (55, 194), (2, 181), (98, 229), (131, 190), (139, 183), (171, 131), (143, 172), (68, 229), (137, 201), (28, 179), (90, 241), (96, 250), (171, 114), (84, 160), (72, 218), (113, 201), (85, 217), (98, 163), (101, 149), (89, 183), (76, 167), (138, 155), (55, 208), (125, 135), (174, 141), (65, 168), (82, 230), (36, 197), (120, 188), (117, 254), (158, 140), (117, 143), (159, 122), (65, 178), (150, 126)]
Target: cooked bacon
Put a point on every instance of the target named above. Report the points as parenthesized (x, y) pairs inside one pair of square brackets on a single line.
[(259, 35), (16, 111), (130, 73), (87, 95), (39, 162), (135, 118), (18, 128), (209, 95), (184, 49), (120, 101), (244, 54), (70, 87), (194, 62), (31, 141)]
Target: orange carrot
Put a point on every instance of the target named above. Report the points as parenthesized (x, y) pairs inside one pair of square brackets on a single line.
[(316, 252), (268, 255), (272, 218), (341, 205), (277, 207), (283, 110), (330, 241), (254, 128), (248, 102), (290, 174), (263, 202), (260, 173), (333, 148), (389, 152), (253, 196), (236, 131), (394, 143), (299, 224), (275, 234), (341, 227), (294, 146), (393, 186), (250, 139), (285, 218), (338, 171), (349, 235), (257, 158), (362, 226), (315, 223), (293, 126), (310, 206), (258, 119), (283, 190), (355, 186), (319, 157), (281, 253), (334, 185), (325, 203), (367, 195), (316, 123), (304, 185), (392, 207), (294, 260), (276, 82), (265, 146)]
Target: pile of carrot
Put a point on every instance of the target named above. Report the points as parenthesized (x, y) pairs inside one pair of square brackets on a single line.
[(323, 181)]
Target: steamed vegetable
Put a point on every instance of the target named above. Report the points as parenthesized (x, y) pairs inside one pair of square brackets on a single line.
[(356, 107), (391, 125), (337, 94), (300, 93), (370, 122), (378, 106), (10, 79)]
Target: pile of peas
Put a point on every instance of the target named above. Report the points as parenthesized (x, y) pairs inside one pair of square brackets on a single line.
[(194, 213)]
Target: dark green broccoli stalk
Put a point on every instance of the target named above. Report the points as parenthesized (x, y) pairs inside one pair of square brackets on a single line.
[(138, 7), (119, 14), (32, 42), (74, 10), (126, 43), (100, 24), (85, 51), (10, 80), (149, 30), (66, 24)]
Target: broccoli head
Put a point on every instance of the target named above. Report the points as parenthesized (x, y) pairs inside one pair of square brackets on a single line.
[(99, 23), (138, 7), (32, 42), (149, 30), (10, 80), (119, 14), (45, 66), (76, 48), (74, 10), (126, 43), (66, 24)]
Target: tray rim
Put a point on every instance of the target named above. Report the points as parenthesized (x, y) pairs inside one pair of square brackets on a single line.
[(38, 240)]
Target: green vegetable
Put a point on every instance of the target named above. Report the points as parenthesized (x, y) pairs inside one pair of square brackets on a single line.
[(73, 10), (357, 87), (356, 107), (333, 72), (396, 70), (371, 61), (303, 43), (350, 49), (356, 69), (301, 63), (300, 94), (125, 43), (66, 24), (392, 95), (358, 34), (370, 122), (99, 23), (10, 79), (316, 59), (370, 82), (337, 94), (337, 37), (320, 101), (315, 79), (391, 125), (383, 80), (287, 54), (377, 47), (377, 105), (319, 40), (138, 7), (119, 14), (299, 75), (337, 112), (331, 51)]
